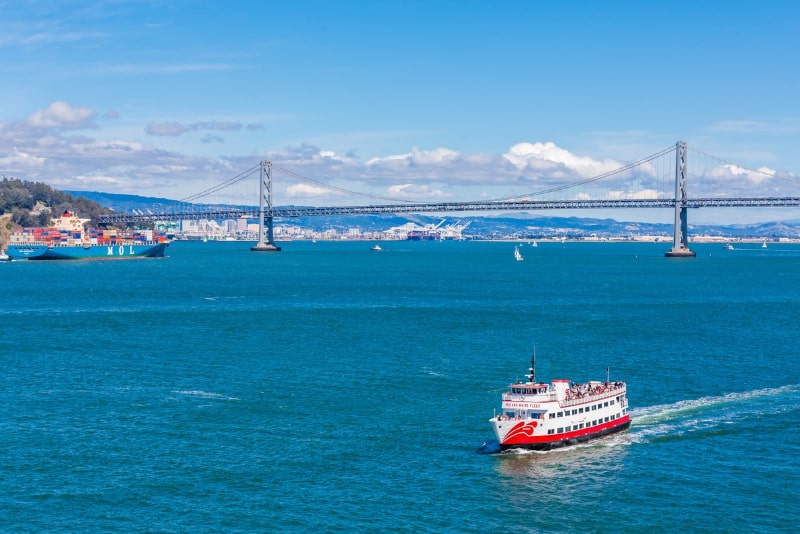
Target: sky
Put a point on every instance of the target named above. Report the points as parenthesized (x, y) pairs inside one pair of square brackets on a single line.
[(419, 100)]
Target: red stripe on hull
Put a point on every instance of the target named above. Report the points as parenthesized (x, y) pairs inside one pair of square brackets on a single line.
[(519, 438)]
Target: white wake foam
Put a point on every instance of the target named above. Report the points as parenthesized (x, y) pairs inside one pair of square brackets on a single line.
[(710, 412), (203, 394)]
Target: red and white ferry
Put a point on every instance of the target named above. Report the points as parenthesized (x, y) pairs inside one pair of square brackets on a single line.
[(546, 416)]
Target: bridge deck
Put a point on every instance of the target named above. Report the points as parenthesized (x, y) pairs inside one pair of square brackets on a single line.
[(445, 207)]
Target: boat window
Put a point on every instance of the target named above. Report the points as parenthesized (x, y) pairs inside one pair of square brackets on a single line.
[(606, 419), (560, 430), (612, 403), (552, 415), (574, 412), (551, 431), (560, 414), (605, 404), (580, 410)]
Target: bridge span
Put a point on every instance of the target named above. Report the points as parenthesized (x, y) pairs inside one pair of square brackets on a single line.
[(446, 207), (267, 212)]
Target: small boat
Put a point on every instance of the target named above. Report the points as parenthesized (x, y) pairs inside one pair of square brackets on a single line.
[(763, 244), (4, 256), (534, 244), (376, 248), (728, 246), (517, 254), (542, 416)]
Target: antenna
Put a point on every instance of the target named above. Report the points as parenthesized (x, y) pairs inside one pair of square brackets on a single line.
[(532, 371)]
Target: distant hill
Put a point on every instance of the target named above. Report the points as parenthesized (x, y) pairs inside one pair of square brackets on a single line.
[(524, 225), (123, 203)]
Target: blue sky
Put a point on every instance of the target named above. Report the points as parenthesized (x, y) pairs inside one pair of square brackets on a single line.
[(419, 100)]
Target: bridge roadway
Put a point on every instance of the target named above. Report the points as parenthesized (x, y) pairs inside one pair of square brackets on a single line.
[(446, 207)]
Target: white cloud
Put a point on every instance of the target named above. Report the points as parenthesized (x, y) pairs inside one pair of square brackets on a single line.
[(732, 173), (634, 195), (99, 180), (45, 144), (174, 128), (19, 158), (306, 190), (415, 191), (62, 115), (547, 157), (416, 157)]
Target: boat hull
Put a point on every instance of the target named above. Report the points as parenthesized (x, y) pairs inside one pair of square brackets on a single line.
[(23, 251), (567, 439)]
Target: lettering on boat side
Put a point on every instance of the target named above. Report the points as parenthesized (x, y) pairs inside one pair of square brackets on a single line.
[(110, 250)]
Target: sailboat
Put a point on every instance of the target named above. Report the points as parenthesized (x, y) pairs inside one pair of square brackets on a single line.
[(517, 254)]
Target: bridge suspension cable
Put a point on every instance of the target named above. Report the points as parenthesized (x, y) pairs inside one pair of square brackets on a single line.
[(757, 171), (594, 178), (238, 178)]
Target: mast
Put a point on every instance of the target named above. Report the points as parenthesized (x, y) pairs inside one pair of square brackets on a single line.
[(532, 371)]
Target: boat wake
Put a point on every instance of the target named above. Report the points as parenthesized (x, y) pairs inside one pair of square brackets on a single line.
[(708, 413), (204, 395)]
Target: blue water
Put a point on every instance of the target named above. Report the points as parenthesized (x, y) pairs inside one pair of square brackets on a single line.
[(329, 388)]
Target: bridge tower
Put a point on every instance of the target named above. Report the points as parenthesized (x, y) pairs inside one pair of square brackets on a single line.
[(266, 241), (680, 244)]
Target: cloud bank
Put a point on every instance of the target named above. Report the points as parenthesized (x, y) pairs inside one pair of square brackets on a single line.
[(64, 146)]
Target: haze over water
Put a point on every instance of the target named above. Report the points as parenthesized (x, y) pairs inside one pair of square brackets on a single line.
[(331, 388)]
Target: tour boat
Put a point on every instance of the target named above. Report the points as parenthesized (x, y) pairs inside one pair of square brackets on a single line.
[(543, 416)]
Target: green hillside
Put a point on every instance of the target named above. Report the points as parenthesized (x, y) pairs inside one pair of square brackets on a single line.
[(24, 203)]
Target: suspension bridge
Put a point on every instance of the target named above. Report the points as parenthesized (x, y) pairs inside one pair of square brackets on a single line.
[(680, 202)]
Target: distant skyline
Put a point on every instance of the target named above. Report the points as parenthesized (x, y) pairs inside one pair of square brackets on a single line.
[(418, 100)]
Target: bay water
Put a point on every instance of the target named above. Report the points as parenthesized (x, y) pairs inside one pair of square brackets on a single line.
[(331, 388)]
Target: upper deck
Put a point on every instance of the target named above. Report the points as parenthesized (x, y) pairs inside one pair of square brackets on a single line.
[(562, 392)]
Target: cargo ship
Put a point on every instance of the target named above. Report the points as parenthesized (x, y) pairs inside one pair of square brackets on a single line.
[(423, 235), (543, 416), (69, 239)]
